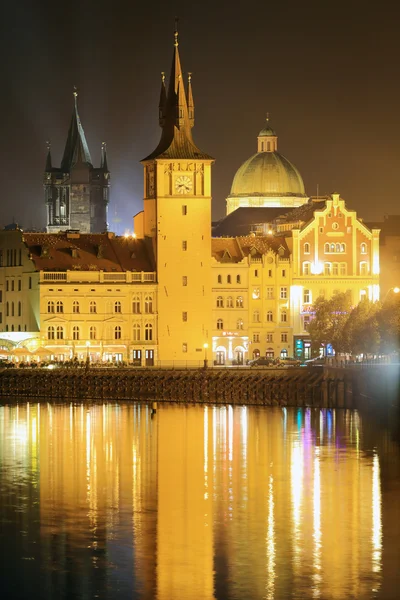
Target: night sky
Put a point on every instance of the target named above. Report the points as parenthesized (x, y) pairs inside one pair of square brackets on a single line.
[(327, 72)]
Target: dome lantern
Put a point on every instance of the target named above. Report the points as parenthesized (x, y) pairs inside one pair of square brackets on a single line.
[(267, 140)]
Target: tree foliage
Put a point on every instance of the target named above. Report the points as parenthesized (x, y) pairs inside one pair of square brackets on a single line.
[(368, 328)]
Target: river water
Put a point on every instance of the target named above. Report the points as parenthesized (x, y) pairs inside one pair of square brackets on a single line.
[(116, 501)]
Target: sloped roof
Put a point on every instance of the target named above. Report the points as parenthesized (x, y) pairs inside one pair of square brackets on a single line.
[(94, 252), (239, 221), (76, 148), (239, 247)]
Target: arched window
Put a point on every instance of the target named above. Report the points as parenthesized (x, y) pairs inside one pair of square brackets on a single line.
[(117, 332), (92, 333), (256, 316), (342, 247), (93, 307), (284, 316), (19, 309), (60, 332), (238, 279), (229, 302), (220, 302), (75, 333), (117, 307), (306, 297), (136, 305), (306, 268), (148, 332), (75, 306), (219, 278), (363, 268), (59, 306), (50, 306), (228, 279), (332, 249), (326, 248), (338, 248), (220, 324), (12, 327), (306, 248), (239, 302), (148, 304), (136, 332), (239, 324), (50, 333), (363, 248), (270, 316)]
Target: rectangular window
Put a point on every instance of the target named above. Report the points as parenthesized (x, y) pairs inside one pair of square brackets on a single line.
[(283, 272), (184, 280), (327, 269), (307, 297), (283, 337), (30, 283), (7, 285), (270, 293), (269, 272), (256, 273), (306, 322), (19, 285), (335, 268), (184, 245), (1, 295), (184, 347), (270, 337), (256, 337), (283, 294), (184, 210), (184, 317), (12, 285)]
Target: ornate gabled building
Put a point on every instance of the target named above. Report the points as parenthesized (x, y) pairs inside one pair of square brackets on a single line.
[(76, 193)]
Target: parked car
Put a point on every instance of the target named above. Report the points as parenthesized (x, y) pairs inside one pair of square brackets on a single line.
[(289, 361), (261, 361)]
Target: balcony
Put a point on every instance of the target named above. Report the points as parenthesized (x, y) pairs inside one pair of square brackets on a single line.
[(96, 277)]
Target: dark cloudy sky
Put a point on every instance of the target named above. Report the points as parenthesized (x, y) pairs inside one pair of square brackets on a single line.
[(328, 73)]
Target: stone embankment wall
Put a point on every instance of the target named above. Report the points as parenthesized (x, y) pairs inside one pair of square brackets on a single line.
[(272, 387)]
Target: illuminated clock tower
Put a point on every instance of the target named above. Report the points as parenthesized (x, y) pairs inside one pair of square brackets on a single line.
[(177, 217)]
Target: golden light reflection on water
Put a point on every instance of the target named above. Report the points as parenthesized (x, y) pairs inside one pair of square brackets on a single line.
[(201, 502)]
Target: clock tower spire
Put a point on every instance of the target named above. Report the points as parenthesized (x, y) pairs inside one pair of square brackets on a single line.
[(177, 219)]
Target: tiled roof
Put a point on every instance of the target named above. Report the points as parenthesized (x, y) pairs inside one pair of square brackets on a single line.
[(240, 221), (234, 249), (87, 252)]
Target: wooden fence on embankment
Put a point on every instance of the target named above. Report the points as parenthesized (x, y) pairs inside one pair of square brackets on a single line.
[(271, 387)]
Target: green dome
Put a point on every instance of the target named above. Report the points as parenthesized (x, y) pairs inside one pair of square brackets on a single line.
[(266, 132), (267, 174)]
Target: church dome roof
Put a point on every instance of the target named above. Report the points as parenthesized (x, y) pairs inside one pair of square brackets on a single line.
[(267, 131), (267, 174)]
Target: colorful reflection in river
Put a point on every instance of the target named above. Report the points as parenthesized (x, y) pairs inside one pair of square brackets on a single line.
[(112, 501)]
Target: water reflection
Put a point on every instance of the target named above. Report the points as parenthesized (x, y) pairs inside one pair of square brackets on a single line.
[(110, 501)]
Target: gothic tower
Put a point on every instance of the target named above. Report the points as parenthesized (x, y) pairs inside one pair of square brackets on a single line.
[(76, 193), (177, 218)]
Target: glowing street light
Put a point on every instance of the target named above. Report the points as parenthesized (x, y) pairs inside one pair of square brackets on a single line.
[(205, 346)]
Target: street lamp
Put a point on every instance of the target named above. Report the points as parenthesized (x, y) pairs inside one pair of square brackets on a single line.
[(395, 290), (87, 353), (205, 346)]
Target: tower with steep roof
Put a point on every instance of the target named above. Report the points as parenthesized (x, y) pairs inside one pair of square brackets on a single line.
[(76, 193), (177, 219)]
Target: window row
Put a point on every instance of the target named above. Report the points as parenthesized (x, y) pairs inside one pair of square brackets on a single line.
[(10, 285), (13, 309), (138, 332), (12, 327), (334, 248), (283, 318), (230, 302), (58, 306), (229, 279), (329, 268)]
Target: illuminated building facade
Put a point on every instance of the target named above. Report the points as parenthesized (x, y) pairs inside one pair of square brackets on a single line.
[(177, 288)]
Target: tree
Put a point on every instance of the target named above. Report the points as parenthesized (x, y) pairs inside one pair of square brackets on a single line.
[(328, 325), (362, 328), (389, 324)]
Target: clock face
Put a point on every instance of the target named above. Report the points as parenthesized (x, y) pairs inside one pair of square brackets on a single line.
[(183, 184)]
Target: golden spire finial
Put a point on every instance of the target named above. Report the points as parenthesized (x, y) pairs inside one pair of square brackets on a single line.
[(48, 145), (189, 77), (75, 91), (267, 117), (176, 31), (163, 76)]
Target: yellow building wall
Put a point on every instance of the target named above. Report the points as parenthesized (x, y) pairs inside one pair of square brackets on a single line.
[(183, 260)]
